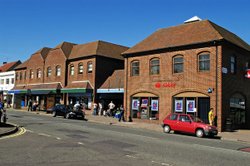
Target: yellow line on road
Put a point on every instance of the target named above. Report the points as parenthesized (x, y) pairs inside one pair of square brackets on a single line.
[(20, 131)]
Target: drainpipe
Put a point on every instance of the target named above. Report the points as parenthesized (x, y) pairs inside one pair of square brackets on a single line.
[(126, 96), (216, 81)]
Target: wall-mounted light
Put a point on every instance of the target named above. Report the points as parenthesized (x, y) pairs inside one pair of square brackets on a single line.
[(210, 90)]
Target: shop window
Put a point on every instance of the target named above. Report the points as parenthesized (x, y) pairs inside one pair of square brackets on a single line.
[(135, 68), (90, 67), (178, 64), (233, 64), (204, 62), (80, 68), (58, 70), (154, 66), (49, 71), (72, 70)]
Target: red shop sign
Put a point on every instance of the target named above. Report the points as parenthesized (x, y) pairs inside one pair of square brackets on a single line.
[(165, 85), (247, 73)]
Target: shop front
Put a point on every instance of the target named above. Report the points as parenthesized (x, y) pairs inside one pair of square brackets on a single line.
[(194, 103), (145, 106)]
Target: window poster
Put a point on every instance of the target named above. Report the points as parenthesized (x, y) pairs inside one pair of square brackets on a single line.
[(154, 105), (144, 102), (178, 105), (191, 106), (135, 104)]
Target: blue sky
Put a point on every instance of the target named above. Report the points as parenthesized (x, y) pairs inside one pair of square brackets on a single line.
[(29, 25)]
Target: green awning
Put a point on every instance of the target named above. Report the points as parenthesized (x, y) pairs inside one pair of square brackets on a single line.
[(73, 90)]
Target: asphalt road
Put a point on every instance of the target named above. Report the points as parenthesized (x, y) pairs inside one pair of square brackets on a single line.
[(58, 141)]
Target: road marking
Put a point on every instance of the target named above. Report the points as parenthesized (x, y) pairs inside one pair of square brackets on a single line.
[(131, 156), (43, 134), (155, 162), (20, 131), (58, 138), (80, 143), (30, 131)]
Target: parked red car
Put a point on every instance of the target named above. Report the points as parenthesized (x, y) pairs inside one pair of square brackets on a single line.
[(188, 124)]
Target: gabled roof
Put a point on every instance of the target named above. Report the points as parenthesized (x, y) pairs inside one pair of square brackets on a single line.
[(9, 66), (115, 81), (100, 48), (22, 65), (186, 34), (43, 52), (66, 47)]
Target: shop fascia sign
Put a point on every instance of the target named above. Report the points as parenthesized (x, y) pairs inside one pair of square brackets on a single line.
[(247, 73), (165, 84)]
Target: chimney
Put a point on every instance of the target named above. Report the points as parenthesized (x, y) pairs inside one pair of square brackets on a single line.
[(4, 63)]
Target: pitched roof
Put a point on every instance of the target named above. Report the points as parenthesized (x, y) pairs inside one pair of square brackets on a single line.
[(66, 47), (22, 65), (115, 81), (100, 48), (186, 34), (9, 66), (43, 52)]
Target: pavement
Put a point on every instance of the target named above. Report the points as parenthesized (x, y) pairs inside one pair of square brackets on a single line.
[(236, 135)]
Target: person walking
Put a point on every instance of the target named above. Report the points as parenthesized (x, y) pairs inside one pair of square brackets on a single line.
[(94, 109), (111, 107), (30, 105), (121, 114), (211, 117), (100, 109), (1, 109)]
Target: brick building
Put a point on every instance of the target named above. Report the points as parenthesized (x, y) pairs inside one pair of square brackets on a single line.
[(189, 68), (67, 74)]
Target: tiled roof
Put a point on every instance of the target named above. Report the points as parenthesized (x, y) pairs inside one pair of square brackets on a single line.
[(100, 48), (66, 48), (186, 34), (43, 52), (22, 65), (84, 85), (115, 81), (9, 66), (38, 86)]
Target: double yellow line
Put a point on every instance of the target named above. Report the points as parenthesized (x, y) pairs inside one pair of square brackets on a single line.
[(21, 131)]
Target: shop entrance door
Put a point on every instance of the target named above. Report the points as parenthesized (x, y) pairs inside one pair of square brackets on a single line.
[(203, 108)]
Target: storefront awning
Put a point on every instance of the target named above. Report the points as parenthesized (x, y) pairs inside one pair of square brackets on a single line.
[(41, 92), (120, 90), (17, 91), (75, 90)]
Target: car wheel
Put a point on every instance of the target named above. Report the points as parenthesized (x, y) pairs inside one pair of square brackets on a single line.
[(199, 133), (166, 129), (67, 116), (54, 114)]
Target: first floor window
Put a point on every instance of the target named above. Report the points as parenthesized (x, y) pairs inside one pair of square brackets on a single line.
[(72, 70), (155, 66), (135, 68), (58, 71), (204, 62), (90, 67), (80, 68), (178, 64)]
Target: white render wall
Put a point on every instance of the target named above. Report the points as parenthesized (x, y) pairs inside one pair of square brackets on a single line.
[(4, 76)]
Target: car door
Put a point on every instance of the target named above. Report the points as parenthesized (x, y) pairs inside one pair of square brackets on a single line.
[(185, 124)]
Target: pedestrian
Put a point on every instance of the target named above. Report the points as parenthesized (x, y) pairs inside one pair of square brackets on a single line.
[(111, 108), (1, 109), (8, 103), (94, 109), (211, 117), (30, 105), (100, 109), (121, 114)]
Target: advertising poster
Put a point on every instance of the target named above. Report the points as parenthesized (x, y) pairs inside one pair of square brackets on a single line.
[(135, 104), (154, 105), (144, 102), (178, 105), (190, 106)]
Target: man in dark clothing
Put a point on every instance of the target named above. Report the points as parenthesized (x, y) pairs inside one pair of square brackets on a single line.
[(121, 114), (30, 105)]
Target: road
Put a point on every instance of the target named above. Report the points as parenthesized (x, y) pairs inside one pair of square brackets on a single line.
[(57, 141)]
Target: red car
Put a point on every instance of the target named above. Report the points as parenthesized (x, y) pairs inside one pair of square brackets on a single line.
[(188, 124)]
